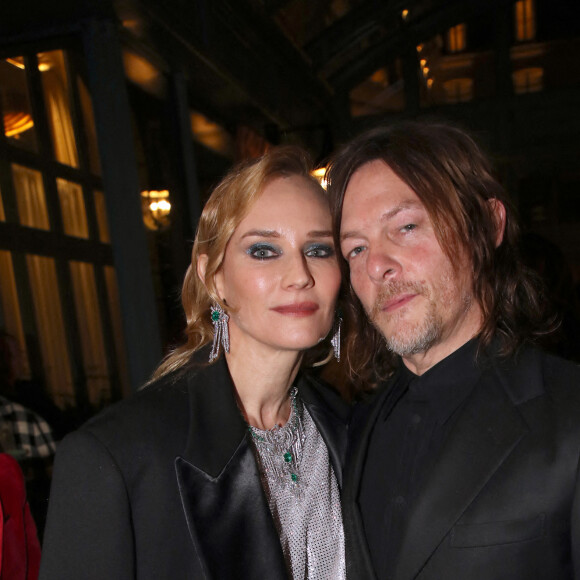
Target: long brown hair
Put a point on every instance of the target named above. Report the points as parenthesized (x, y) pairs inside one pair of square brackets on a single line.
[(226, 207), (453, 179)]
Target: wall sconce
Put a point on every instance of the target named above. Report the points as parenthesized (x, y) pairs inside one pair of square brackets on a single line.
[(156, 208)]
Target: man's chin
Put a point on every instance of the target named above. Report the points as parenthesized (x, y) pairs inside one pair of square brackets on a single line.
[(410, 339)]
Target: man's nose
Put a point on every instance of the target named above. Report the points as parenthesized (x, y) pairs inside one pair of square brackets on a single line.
[(382, 264)]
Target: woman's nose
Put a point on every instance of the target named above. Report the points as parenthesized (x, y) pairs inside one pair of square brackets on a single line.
[(298, 274)]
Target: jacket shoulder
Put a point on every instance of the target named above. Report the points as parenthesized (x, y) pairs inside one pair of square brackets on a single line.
[(151, 414), (533, 373)]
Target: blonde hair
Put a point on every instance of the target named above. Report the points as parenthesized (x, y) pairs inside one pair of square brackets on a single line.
[(226, 207)]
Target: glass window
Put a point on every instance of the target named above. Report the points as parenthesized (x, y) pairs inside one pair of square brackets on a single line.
[(2, 214), (51, 329), (91, 332), (57, 99), (525, 20), (38, 184), (30, 197), (72, 205), (11, 319), (89, 126), (458, 90), (15, 103), (528, 80), (456, 38)]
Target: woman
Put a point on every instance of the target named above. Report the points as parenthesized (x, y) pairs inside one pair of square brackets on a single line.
[(222, 469)]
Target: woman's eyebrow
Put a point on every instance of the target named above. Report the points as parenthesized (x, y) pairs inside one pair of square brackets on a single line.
[(262, 234)]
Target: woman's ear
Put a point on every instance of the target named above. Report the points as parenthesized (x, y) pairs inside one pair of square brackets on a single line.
[(499, 218), (202, 266), (217, 277)]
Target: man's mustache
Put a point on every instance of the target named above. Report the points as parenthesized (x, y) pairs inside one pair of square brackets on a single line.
[(393, 289)]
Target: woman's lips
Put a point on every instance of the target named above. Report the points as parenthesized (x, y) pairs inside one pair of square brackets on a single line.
[(297, 309), (397, 302)]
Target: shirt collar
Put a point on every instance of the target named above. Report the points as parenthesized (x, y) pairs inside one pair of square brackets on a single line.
[(446, 385)]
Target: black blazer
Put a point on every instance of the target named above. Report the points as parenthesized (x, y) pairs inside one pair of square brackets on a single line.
[(165, 485), (503, 499)]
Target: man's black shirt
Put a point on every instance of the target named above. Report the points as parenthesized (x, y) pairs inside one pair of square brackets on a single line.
[(404, 444)]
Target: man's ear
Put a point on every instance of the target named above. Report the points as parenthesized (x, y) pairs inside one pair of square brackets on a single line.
[(499, 218)]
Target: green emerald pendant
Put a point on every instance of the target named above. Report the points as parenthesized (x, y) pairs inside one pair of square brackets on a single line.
[(288, 457), (294, 477)]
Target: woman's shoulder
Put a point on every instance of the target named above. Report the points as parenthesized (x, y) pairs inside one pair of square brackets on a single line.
[(157, 411)]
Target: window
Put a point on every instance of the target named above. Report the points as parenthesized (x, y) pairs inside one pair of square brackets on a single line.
[(525, 20), (458, 90), (456, 38), (58, 296), (528, 80)]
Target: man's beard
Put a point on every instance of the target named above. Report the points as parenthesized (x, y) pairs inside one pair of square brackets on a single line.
[(412, 338)]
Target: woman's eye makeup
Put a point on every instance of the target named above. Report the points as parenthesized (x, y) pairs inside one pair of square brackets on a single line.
[(319, 250), (262, 251)]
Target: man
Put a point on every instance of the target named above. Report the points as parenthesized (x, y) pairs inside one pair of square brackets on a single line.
[(464, 461)]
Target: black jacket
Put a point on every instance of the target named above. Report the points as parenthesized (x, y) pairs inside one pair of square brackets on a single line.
[(165, 485), (503, 499)]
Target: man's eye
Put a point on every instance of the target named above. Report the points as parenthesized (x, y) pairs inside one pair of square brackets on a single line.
[(319, 251), (355, 252), (262, 252)]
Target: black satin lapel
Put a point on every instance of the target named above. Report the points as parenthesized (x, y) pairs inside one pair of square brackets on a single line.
[(487, 431), (229, 519), (217, 426)]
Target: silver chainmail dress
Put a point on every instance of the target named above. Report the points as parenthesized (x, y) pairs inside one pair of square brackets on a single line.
[(303, 495)]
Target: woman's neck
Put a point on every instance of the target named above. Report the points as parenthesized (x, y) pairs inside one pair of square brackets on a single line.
[(262, 384)]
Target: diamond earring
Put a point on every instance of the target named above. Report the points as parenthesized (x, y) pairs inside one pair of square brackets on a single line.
[(221, 333)]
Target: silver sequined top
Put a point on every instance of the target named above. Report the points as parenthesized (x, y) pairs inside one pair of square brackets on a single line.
[(303, 495)]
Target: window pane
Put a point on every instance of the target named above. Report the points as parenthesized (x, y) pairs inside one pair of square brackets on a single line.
[(102, 222), (15, 101), (2, 214), (89, 125), (72, 205), (51, 332), (528, 80), (30, 197), (11, 320), (56, 94), (91, 332), (458, 90)]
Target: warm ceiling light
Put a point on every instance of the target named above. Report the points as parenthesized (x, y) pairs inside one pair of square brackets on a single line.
[(425, 71), (423, 61), (404, 14), (419, 47), (18, 62), (156, 208), (16, 123), (429, 83)]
